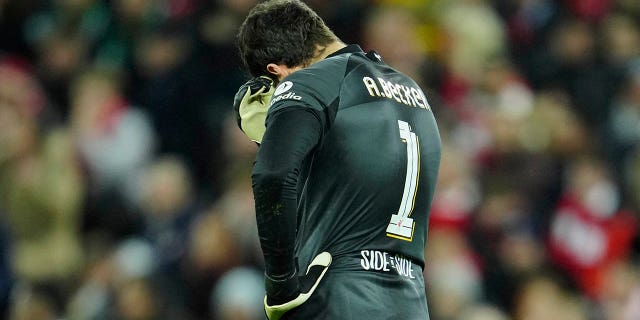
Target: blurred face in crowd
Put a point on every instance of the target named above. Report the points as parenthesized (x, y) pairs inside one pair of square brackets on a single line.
[(166, 189), (574, 43), (212, 248), (591, 182), (393, 34), (132, 10), (622, 38), (158, 54), (61, 56), (452, 276), (32, 306), (136, 301), (20, 100), (91, 95), (542, 298), (17, 133)]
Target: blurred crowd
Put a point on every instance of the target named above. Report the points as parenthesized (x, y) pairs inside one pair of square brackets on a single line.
[(125, 187)]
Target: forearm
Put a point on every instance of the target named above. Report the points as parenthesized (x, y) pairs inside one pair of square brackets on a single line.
[(276, 219), (290, 137)]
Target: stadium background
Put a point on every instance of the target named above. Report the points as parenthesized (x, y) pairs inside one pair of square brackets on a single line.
[(124, 181)]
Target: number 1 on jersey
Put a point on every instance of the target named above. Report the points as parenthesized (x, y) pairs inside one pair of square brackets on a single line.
[(401, 225)]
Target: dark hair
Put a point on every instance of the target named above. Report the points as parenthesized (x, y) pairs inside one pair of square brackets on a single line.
[(283, 32)]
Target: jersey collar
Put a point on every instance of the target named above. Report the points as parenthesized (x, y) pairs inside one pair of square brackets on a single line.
[(352, 48)]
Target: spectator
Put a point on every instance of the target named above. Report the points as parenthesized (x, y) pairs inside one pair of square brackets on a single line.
[(137, 300), (622, 39), (114, 138), (393, 33), (115, 141), (32, 304), (169, 206), (452, 274), (619, 296), (41, 188), (475, 36), (457, 192), (623, 125), (212, 252), (238, 295), (482, 312), (180, 98), (543, 297), (589, 231)]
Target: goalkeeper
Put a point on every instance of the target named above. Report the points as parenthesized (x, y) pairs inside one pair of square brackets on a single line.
[(345, 172)]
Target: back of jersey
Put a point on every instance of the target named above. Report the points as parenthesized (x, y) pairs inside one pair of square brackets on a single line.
[(371, 181)]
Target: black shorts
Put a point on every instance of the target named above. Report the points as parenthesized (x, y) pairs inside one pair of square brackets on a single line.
[(371, 290)]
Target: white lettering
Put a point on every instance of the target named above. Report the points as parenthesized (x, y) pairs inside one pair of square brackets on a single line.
[(407, 95), (371, 86), (374, 260), (387, 90), (404, 267), (289, 96), (418, 97), (392, 89), (396, 92), (364, 262), (382, 261), (399, 90)]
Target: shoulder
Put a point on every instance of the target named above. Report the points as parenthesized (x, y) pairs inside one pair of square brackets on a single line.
[(326, 72), (315, 86)]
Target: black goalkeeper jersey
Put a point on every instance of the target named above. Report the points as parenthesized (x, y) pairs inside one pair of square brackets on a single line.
[(368, 181)]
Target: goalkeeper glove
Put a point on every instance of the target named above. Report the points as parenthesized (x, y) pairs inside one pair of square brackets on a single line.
[(251, 103), (284, 295)]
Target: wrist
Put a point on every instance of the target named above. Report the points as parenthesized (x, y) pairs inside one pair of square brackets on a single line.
[(280, 266), (282, 290)]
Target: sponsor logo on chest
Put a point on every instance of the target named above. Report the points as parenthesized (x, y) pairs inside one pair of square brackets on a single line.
[(282, 94)]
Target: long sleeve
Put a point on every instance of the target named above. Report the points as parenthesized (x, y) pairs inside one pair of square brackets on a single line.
[(290, 137)]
